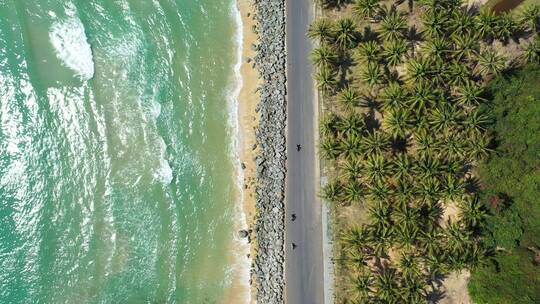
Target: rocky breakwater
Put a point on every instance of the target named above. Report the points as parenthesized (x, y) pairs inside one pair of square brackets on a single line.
[(270, 161)]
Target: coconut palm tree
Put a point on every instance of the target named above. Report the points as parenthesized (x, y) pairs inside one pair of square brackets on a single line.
[(405, 215), (376, 142), (354, 238), (372, 74), (472, 212), (351, 169), (328, 125), (486, 23), (436, 48), (461, 23), (422, 97), (394, 51), (362, 287), (356, 259), (470, 94), (345, 33), (333, 192), (368, 52), (436, 265), (458, 74), (429, 167), (329, 148), (393, 96), (454, 148), (478, 146), (379, 215), (353, 192), (351, 146), (366, 8), (392, 24), (404, 166), (475, 255), (435, 23), (439, 72), (430, 190), (397, 122), (380, 191), (349, 97), (456, 236), (444, 117), (406, 236), (454, 187), (386, 285), (506, 27), (419, 70), (476, 121), (490, 63), (427, 144), (376, 168), (326, 80), (530, 17), (430, 241), (404, 191), (322, 30), (409, 266), (351, 124), (382, 239), (413, 290), (324, 56), (531, 52), (465, 46)]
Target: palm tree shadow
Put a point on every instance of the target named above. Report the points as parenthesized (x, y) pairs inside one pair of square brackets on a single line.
[(344, 69), (414, 37), (336, 4), (372, 123), (369, 35), (472, 10), (437, 293), (472, 184), (400, 145), (435, 296)]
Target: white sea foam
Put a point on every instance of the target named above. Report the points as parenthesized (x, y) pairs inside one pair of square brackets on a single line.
[(71, 45), (164, 173), (242, 247)]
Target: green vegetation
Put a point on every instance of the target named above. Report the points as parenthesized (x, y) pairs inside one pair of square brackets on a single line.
[(511, 182), (403, 85)]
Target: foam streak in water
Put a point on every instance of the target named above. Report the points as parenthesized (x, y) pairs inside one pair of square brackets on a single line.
[(72, 47)]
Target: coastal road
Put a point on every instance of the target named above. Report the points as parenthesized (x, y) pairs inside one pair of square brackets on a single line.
[(303, 265)]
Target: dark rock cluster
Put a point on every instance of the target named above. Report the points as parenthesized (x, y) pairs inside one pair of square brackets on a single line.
[(270, 161)]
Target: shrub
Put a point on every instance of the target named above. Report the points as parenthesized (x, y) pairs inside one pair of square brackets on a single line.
[(511, 186)]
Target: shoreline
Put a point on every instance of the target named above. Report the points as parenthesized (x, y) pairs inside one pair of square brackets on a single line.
[(261, 152), (245, 123)]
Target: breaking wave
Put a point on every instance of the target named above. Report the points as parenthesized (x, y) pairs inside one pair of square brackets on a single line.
[(72, 47)]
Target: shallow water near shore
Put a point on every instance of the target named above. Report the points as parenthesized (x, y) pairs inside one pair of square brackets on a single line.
[(117, 161)]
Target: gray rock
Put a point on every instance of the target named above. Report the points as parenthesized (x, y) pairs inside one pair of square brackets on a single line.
[(243, 233)]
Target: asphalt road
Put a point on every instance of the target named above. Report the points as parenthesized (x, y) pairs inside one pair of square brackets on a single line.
[(303, 265)]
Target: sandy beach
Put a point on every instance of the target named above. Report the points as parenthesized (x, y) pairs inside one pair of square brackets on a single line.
[(248, 100), (248, 122)]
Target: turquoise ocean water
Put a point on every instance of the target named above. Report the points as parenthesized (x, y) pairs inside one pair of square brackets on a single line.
[(117, 171)]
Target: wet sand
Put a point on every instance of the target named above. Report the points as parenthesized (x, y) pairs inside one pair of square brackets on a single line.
[(248, 122)]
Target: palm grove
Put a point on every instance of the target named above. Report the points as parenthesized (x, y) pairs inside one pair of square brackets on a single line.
[(403, 83)]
